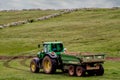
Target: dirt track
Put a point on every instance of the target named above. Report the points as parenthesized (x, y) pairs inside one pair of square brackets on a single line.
[(27, 57), (15, 57)]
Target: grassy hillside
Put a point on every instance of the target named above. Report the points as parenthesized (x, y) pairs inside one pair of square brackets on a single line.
[(96, 30), (14, 16)]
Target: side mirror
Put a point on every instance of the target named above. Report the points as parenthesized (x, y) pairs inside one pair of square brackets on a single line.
[(65, 49), (38, 45)]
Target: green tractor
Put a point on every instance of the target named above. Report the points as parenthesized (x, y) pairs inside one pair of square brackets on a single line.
[(53, 57)]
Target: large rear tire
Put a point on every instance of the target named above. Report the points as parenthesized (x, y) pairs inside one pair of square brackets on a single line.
[(71, 70), (80, 71), (49, 65), (34, 67)]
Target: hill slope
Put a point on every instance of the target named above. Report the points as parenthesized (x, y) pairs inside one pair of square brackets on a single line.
[(20, 15), (96, 30)]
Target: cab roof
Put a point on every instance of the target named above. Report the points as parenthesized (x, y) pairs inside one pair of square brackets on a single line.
[(51, 42)]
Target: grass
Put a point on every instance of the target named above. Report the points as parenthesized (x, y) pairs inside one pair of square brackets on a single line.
[(21, 72), (96, 31), (14, 16)]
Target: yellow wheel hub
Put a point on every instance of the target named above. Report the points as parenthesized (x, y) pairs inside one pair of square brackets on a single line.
[(33, 67), (47, 65)]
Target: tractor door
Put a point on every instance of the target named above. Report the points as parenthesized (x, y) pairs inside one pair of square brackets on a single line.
[(46, 48)]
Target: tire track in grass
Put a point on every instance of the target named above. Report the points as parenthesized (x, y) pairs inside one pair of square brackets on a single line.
[(23, 61), (8, 65)]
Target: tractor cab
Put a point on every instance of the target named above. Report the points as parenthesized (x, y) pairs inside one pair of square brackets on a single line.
[(56, 47), (52, 49)]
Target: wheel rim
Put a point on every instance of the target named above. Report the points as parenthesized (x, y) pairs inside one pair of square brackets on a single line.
[(71, 70), (47, 65), (33, 67), (79, 71)]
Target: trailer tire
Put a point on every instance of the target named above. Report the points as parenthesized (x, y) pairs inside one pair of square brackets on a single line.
[(34, 66), (71, 70), (49, 65), (91, 73), (80, 71), (100, 71)]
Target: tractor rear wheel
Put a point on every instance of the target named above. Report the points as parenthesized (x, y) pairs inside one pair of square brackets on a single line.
[(34, 66), (80, 71), (71, 70), (49, 65)]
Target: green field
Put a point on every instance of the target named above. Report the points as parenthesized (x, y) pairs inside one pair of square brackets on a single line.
[(95, 31)]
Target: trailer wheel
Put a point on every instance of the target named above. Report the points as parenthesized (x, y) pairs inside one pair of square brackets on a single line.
[(34, 66), (100, 71), (49, 65), (80, 71), (71, 70), (91, 72)]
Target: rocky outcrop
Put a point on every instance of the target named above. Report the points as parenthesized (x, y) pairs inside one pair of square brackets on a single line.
[(1, 27)]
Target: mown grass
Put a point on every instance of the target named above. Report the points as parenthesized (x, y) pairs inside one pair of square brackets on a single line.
[(14, 16), (21, 72), (96, 31)]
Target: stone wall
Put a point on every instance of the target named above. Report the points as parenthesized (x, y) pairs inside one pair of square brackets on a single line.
[(63, 11)]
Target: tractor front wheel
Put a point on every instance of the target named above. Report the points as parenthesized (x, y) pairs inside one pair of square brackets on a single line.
[(34, 67), (49, 65)]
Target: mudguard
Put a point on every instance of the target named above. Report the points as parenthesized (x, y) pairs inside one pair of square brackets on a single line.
[(37, 60), (52, 56)]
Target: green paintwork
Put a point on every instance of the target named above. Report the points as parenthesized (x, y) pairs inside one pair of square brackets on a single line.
[(49, 47), (69, 59)]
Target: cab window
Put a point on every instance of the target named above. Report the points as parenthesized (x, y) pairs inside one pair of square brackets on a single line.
[(57, 47)]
